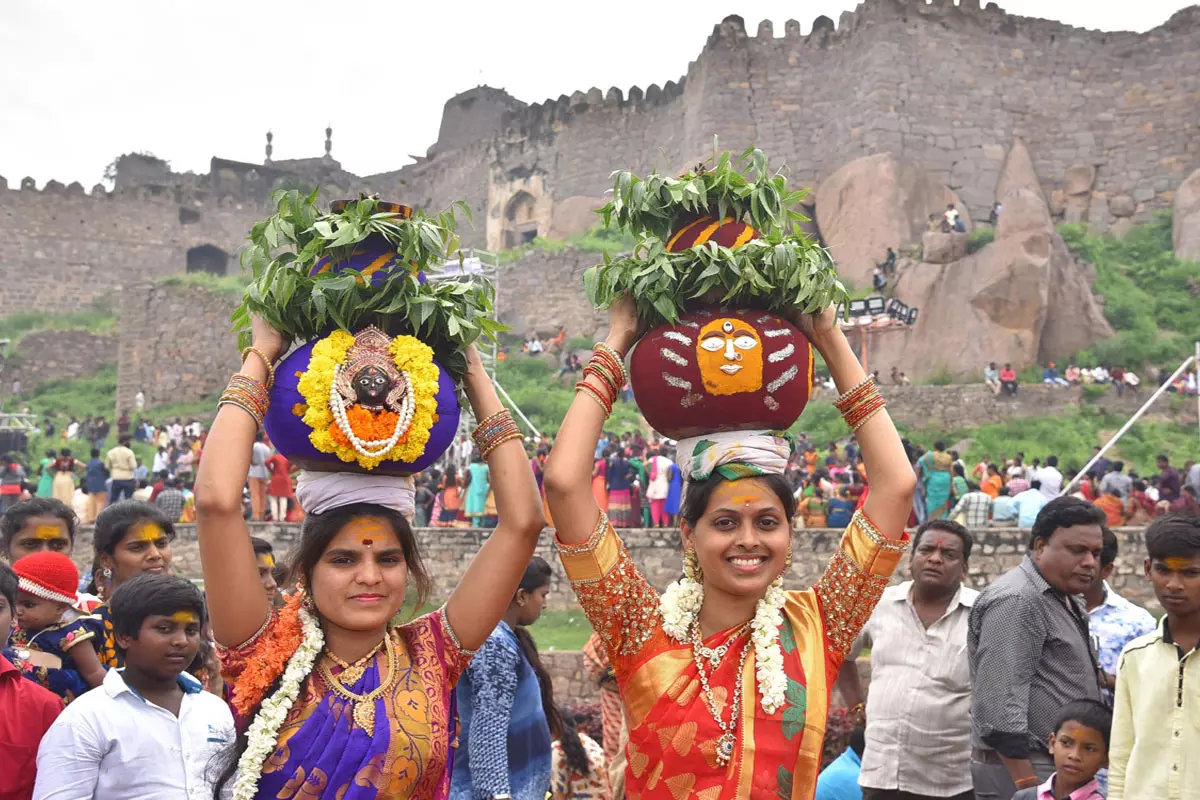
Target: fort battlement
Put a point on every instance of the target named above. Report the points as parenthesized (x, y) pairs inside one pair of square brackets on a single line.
[(945, 86)]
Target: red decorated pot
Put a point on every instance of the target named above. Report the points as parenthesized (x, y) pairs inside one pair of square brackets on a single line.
[(722, 369)]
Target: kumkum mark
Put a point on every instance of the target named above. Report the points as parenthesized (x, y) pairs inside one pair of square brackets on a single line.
[(48, 533), (185, 618)]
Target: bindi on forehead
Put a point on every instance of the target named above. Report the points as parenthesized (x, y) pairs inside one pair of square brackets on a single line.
[(1180, 563), (148, 532), (185, 618), (268, 560), (49, 533), (370, 532)]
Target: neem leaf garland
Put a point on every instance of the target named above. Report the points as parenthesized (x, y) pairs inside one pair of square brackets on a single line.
[(447, 315), (780, 270)]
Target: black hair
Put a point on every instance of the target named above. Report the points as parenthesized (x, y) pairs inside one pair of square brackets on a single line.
[(949, 526), (1163, 457), (17, 514), (149, 595), (1173, 536), (530, 650), (939, 445), (1051, 461), (51, 454), (115, 521), (695, 500), (65, 452), (318, 530), (537, 574), (1035, 484), (262, 547), (563, 727), (1108, 551), (1064, 512), (1088, 713), (8, 589), (95, 452)]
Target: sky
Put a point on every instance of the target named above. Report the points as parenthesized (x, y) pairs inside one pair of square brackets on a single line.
[(85, 82)]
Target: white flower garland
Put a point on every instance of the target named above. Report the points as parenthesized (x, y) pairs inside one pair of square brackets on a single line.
[(264, 730), (680, 606)]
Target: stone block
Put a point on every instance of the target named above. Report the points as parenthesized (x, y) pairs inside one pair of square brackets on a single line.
[(1079, 179), (943, 248), (1122, 205)]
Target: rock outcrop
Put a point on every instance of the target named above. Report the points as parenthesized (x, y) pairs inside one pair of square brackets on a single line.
[(1022, 299), (942, 248), (1185, 232), (873, 203)]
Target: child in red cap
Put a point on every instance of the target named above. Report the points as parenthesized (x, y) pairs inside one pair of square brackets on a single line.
[(54, 643)]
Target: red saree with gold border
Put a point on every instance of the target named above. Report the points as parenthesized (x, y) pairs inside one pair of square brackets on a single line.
[(672, 735)]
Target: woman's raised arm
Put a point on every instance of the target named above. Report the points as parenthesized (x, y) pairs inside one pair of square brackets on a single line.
[(490, 582), (889, 475), (571, 465), (236, 603)]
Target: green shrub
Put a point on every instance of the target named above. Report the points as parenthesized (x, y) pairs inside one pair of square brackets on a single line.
[(980, 237), (1093, 392)]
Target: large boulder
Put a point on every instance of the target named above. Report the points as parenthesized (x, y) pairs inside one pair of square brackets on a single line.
[(1185, 233), (873, 203), (1021, 299), (1018, 173), (942, 248)]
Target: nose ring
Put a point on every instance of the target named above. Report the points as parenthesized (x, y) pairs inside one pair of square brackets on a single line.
[(737, 356)]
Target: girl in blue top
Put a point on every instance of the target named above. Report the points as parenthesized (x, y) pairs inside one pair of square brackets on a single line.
[(504, 740)]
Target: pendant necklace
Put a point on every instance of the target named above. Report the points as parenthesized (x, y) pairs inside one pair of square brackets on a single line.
[(728, 739), (363, 705)]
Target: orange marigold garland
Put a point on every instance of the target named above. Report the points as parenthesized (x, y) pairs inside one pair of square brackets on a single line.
[(368, 425), (270, 657)]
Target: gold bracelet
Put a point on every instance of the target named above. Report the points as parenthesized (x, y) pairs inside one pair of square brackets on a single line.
[(501, 440), (265, 360)]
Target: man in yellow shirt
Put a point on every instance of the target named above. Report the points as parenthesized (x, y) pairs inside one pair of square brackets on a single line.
[(1157, 698), (121, 464)]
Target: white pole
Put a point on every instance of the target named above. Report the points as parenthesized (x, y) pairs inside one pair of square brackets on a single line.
[(1145, 406), (516, 408)]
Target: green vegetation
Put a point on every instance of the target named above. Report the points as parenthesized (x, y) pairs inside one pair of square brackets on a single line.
[(1146, 293), (543, 397), (99, 318), (1071, 437), (597, 240), (221, 284), (980, 237)]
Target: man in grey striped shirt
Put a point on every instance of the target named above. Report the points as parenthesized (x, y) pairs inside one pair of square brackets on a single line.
[(1030, 651)]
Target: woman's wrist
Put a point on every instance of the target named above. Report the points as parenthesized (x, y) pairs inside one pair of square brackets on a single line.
[(621, 341), (828, 342)]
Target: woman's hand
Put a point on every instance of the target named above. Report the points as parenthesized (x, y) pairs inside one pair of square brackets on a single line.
[(622, 324), (270, 341), (815, 326)]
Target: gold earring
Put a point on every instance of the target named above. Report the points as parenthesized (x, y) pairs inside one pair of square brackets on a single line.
[(691, 566)]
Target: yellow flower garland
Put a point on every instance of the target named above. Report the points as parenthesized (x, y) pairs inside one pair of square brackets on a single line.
[(410, 356)]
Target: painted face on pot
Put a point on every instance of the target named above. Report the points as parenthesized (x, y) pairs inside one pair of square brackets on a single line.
[(371, 386), (742, 539), (729, 353)]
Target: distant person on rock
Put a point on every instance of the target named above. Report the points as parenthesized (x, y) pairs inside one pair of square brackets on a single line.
[(139, 401), (994, 217), (1008, 380), (1051, 377), (896, 376), (991, 377), (950, 218), (889, 262), (933, 224), (878, 280)]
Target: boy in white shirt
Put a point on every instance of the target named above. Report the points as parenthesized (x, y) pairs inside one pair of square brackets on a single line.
[(150, 730)]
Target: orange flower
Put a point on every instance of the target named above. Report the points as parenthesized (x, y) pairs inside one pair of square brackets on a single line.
[(269, 658), (368, 425)]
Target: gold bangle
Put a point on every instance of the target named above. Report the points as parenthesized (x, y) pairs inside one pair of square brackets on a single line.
[(265, 360), (511, 436)]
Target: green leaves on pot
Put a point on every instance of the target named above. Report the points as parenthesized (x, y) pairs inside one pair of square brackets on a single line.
[(446, 314), (774, 272), (657, 203)]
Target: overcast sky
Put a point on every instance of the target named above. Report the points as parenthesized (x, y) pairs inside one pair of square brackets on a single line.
[(86, 81)]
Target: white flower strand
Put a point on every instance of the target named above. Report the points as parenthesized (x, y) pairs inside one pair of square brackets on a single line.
[(680, 607), (264, 730)]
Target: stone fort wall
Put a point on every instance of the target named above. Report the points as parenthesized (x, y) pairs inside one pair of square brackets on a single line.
[(946, 86)]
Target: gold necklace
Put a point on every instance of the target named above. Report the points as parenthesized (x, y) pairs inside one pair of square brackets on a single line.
[(363, 705), (728, 738), (351, 673), (714, 654)]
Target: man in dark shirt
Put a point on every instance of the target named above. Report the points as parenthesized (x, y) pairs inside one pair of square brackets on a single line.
[(1030, 651), (1168, 480)]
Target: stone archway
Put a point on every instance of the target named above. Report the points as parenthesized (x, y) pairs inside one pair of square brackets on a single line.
[(520, 224), (208, 258)]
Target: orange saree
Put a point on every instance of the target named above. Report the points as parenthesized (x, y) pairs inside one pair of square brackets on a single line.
[(672, 734)]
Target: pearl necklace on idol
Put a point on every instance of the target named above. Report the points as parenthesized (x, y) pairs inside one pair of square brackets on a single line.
[(372, 448)]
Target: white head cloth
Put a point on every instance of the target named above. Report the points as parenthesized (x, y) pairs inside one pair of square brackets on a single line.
[(733, 455), (319, 492)]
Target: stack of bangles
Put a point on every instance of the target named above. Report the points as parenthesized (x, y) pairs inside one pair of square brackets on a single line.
[(247, 394), (495, 431), (860, 403), (609, 370)]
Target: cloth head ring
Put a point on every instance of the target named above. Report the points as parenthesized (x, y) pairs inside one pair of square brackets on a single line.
[(319, 492), (734, 454)]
